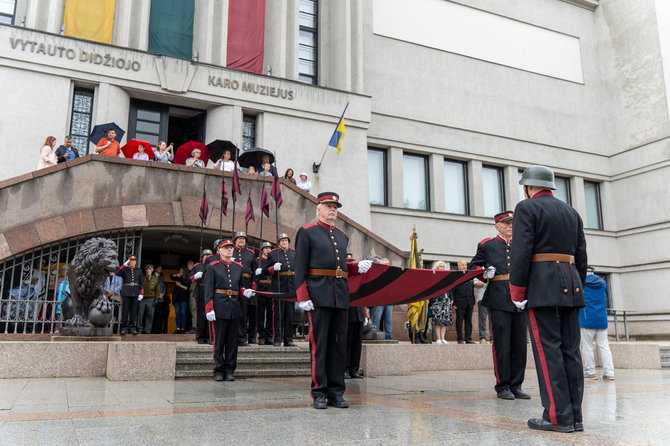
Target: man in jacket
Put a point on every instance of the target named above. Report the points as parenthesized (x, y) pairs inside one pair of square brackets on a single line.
[(547, 272), (283, 281), (509, 323), (132, 292), (593, 323), (322, 291), (66, 152), (245, 257), (263, 280)]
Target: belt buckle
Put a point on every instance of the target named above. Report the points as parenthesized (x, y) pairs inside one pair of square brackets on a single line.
[(338, 273), (229, 292)]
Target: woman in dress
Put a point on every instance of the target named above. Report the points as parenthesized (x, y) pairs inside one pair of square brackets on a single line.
[(140, 154), (289, 175), (164, 153), (195, 160), (48, 154), (442, 317)]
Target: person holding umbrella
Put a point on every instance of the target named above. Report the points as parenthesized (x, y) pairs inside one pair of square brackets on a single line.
[(108, 145), (195, 160), (225, 163)]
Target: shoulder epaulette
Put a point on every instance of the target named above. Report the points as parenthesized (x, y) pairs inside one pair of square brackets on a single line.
[(250, 250), (238, 263), (311, 225), (486, 240), (214, 262)]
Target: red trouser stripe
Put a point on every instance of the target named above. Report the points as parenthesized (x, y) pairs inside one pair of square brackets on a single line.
[(543, 365), (312, 350), (495, 358)]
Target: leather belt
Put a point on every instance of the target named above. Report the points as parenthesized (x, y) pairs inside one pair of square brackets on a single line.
[(247, 275), (337, 273), (264, 281), (551, 257), (499, 277), (201, 284), (131, 283), (228, 292), (286, 273)]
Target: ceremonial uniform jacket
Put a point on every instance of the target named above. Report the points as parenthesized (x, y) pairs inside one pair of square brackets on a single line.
[(245, 257), (464, 294), (132, 283), (199, 283), (264, 281), (320, 246), (281, 281), (223, 276), (545, 224), (497, 253)]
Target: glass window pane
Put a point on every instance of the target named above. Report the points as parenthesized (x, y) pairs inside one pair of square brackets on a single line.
[(415, 193), (307, 79), (7, 20), (307, 38), (149, 115), (81, 144), (493, 191), (377, 177), (248, 132), (307, 20), (308, 6), (307, 67), (562, 191), (592, 198), (455, 198), (7, 7), (147, 127), (148, 137), (306, 53)]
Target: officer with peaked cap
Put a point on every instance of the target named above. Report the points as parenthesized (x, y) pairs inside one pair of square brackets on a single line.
[(223, 291), (245, 257), (322, 290), (508, 322), (282, 271), (197, 277), (263, 281), (546, 276), (132, 292)]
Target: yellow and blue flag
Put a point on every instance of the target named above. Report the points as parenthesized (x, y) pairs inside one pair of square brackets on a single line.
[(339, 133)]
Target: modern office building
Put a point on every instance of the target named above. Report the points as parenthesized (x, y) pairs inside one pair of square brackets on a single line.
[(448, 102)]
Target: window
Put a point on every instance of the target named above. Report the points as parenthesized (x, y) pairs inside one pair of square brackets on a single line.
[(7, 11), (455, 187), (593, 211), (248, 132), (377, 176), (562, 191), (494, 192), (307, 42), (80, 121), (415, 182)]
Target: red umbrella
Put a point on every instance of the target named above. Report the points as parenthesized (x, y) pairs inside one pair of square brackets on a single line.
[(184, 152), (131, 148)]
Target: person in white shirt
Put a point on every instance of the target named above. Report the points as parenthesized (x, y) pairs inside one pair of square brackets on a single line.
[(224, 163), (304, 183)]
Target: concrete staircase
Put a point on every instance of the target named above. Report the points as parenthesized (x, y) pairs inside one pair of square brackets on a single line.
[(665, 355), (195, 361)]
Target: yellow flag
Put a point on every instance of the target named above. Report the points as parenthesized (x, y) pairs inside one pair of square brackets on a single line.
[(89, 19), (417, 312)]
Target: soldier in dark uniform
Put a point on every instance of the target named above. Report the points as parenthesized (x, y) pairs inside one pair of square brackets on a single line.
[(245, 256), (464, 301), (263, 282), (323, 292), (282, 270), (197, 276), (356, 320), (132, 292), (547, 273), (223, 291), (509, 323)]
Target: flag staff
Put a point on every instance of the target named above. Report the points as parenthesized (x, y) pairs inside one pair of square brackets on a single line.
[(316, 167)]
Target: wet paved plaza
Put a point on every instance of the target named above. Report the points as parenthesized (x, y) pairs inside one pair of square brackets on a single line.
[(456, 407)]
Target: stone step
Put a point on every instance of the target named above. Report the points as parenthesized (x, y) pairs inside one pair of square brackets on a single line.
[(245, 373), (247, 360), (269, 354), (242, 363), (665, 356)]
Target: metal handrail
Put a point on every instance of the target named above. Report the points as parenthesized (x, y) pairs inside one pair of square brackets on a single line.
[(625, 313)]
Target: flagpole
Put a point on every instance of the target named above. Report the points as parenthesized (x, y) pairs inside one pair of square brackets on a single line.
[(223, 177), (246, 222), (276, 207), (202, 223), (315, 167), (232, 229), (260, 235)]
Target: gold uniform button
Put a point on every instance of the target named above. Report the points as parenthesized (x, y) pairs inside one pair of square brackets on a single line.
[(565, 290), (335, 243), (576, 290), (338, 258)]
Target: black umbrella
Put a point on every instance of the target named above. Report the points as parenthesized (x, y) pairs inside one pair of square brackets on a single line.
[(100, 131), (252, 157), (218, 147)]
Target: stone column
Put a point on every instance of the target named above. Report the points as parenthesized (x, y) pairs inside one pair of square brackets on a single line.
[(436, 171), (511, 180), (210, 31), (279, 37), (55, 16), (577, 196), (357, 38), (476, 187), (395, 179), (609, 218), (336, 46), (122, 23), (31, 13)]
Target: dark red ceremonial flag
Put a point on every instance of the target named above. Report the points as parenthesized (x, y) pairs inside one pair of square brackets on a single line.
[(249, 214), (236, 183), (224, 197), (265, 203), (204, 207), (276, 190), (246, 31)]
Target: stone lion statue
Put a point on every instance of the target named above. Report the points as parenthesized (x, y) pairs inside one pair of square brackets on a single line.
[(90, 266)]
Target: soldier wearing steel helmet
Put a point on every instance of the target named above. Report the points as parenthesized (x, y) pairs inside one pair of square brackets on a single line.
[(197, 276), (282, 270), (263, 281), (547, 271)]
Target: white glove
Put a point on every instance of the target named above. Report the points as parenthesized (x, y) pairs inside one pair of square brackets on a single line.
[(490, 272), (365, 322), (520, 305), (211, 316), (140, 297), (306, 305), (126, 263), (197, 275), (364, 266), (277, 266), (249, 293), (259, 271)]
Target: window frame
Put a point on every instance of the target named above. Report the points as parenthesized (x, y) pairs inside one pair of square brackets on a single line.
[(384, 153), (303, 77), (12, 16), (599, 204), (568, 191), (466, 191), (501, 185), (426, 169), (83, 92), (245, 116)]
